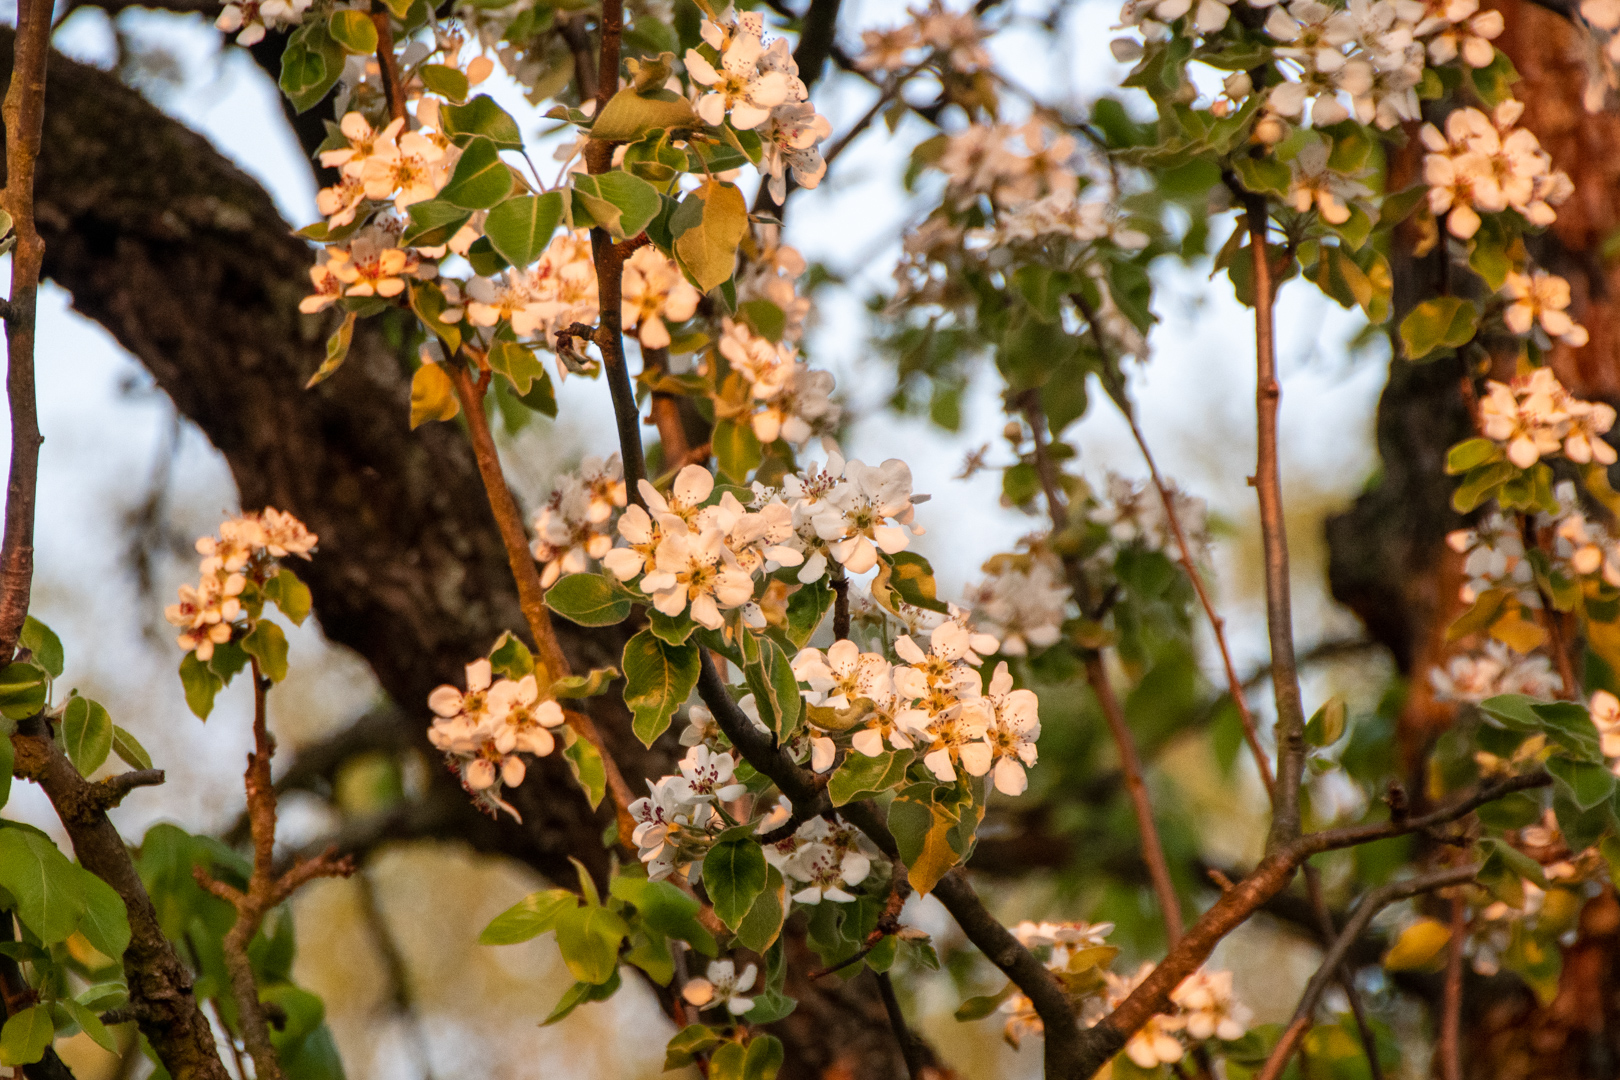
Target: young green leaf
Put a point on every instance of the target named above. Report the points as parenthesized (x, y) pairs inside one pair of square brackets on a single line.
[(268, 645), (481, 178), (87, 732), (522, 226), (47, 887), (26, 1035), (433, 396), (22, 690), (587, 765), (353, 30), (707, 226), (589, 600), (46, 647), (200, 685), (528, 918), (658, 679), (1444, 322), (481, 117), (734, 874)]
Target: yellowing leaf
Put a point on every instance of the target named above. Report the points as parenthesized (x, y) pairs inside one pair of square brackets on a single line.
[(1418, 946), (433, 396), (708, 226)]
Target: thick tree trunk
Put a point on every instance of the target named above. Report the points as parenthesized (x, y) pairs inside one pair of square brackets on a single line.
[(184, 260)]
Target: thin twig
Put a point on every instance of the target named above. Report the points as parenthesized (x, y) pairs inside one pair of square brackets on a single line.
[(531, 594), (911, 1047), (1285, 820), (1131, 766), (24, 117), (1097, 676), (1346, 977), (1371, 904)]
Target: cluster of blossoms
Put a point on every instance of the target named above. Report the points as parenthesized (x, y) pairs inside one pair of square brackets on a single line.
[(1061, 214), (1373, 52), (1205, 1005), (393, 164), (1495, 669), (676, 819), (692, 555), (933, 702), (250, 19), (824, 859), (759, 88), (956, 39), (243, 551), (770, 274), (573, 527), (1484, 164), (1023, 600), (789, 399), (1535, 417), (655, 293), (482, 729), (556, 292), (1493, 558), (1132, 512), (370, 263), (1541, 299), (1314, 183), (1011, 164), (724, 988)]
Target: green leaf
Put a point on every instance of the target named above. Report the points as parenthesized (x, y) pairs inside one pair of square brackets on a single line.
[(200, 685), (105, 922), (129, 748), (658, 679), (707, 226), (1264, 176), (26, 1035), (619, 202), (1327, 725), (428, 301), (1444, 322), (481, 117), (589, 600), (1470, 453), (588, 768), (734, 874), (585, 686), (353, 30), (517, 363), (1587, 783), (47, 887), (87, 734), (764, 1058), (445, 81), (510, 657), (862, 777), (311, 63), (687, 1043), (268, 645), (1494, 82), (727, 1062), (528, 918), (104, 996), (589, 939), (910, 577), (806, 609), (46, 647), (433, 222), (337, 350), (629, 115), (977, 1008), (665, 909), (769, 674), (8, 760), (91, 1024), (291, 595), (736, 449), (579, 994), (1569, 726), (763, 924), (433, 396), (481, 178), (521, 227), (22, 690)]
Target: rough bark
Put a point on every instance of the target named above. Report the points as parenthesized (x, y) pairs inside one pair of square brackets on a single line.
[(184, 260)]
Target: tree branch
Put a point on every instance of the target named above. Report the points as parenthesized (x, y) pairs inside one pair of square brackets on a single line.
[(24, 115), (1371, 904)]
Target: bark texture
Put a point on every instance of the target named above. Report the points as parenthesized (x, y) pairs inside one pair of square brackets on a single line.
[(184, 260)]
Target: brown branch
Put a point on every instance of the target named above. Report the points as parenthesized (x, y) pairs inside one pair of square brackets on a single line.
[(1097, 676), (24, 116), (387, 62), (665, 412), (110, 792), (1131, 766), (913, 1049), (1285, 820), (1371, 904), (159, 984), (531, 594), (1448, 1046)]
